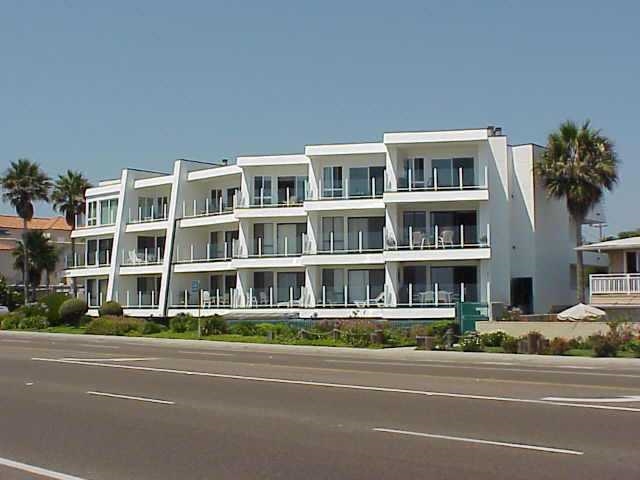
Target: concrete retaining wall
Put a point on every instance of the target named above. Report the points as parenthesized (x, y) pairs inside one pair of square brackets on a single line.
[(548, 329)]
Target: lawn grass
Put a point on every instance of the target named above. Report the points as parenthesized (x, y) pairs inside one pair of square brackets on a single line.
[(64, 329)]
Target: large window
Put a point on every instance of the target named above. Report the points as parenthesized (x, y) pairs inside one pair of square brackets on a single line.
[(365, 233), (359, 280), (450, 281), (291, 190), (413, 173), (290, 286), (332, 182), (262, 287), (99, 251), (414, 227), (262, 190), (263, 239), (96, 291), (451, 222), (332, 233), (332, 286), (366, 181), (108, 211), (448, 171), (152, 208), (290, 238)]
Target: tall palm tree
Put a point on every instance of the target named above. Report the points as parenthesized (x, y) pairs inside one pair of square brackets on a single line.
[(68, 198), (578, 165), (41, 256), (24, 183)]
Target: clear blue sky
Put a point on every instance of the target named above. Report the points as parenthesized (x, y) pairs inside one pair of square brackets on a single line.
[(98, 86)]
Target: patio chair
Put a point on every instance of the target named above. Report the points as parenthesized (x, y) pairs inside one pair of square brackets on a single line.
[(206, 299), (264, 300), (426, 298), (378, 301), (446, 238), (444, 296), (133, 257), (418, 239)]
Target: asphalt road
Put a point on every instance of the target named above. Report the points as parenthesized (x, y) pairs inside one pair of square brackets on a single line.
[(117, 408)]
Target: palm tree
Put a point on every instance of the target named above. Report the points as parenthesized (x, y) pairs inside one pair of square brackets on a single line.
[(68, 198), (41, 255), (24, 183), (578, 165)]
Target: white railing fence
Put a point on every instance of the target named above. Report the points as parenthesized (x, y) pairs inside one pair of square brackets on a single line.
[(615, 284)]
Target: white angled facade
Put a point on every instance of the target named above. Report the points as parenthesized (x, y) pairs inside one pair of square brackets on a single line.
[(401, 229)]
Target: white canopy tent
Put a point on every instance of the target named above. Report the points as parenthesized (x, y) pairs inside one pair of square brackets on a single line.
[(581, 312)]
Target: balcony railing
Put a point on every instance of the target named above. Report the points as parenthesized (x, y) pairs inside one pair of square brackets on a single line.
[(615, 284), (83, 260), (422, 183), (282, 248), (203, 299), (268, 297), (265, 199), (137, 298), (367, 296), (461, 236), (81, 221), (436, 295), (193, 253), (356, 242), (146, 256), (348, 190), (205, 208), (145, 215)]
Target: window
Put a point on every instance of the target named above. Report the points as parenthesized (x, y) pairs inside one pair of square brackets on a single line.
[(418, 223), (262, 287), (92, 214), (108, 211), (413, 173), (452, 220), (152, 208), (365, 233), (332, 182), (360, 279), (332, 286), (359, 182), (231, 192), (216, 198), (290, 283), (231, 237), (286, 190), (448, 171), (633, 262), (450, 280), (290, 238), (263, 239), (262, 190), (92, 247), (416, 276), (332, 230)]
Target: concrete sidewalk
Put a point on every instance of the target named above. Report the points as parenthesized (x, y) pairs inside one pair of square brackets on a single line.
[(398, 354)]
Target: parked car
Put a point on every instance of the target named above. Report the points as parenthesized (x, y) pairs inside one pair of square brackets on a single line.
[(3, 309)]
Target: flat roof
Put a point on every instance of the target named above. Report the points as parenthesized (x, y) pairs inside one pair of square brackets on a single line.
[(618, 244)]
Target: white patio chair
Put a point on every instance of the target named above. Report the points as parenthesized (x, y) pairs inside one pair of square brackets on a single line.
[(418, 239), (444, 296), (446, 238), (133, 257), (206, 299), (378, 301)]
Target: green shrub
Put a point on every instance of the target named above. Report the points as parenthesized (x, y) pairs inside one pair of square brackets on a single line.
[(149, 328), (72, 310), (110, 308), (510, 344), (471, 342), (604, 345), (558, 346), (213, 325), (35, 322), (182, 323), (53, 301), (10, 321), (33, 310), (115, 326), (579, 343), (493, 339), (246, 328), (634, 347)]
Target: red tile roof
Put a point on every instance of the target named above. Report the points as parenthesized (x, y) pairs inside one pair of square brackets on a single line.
[(36, 223)]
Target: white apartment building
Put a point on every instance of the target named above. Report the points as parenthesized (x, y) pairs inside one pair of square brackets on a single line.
[(399, 229)]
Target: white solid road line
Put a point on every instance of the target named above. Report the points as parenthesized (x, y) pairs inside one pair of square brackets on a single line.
[(129, 397), (482, 442), (98, 345), (624, 399), (452, 364), (216, 354), (125, 359), (43, 472), (337, 385)]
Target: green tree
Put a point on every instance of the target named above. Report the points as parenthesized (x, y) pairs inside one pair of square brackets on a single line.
[(41, 256), (24, 183), (579, 164), (68, 198)]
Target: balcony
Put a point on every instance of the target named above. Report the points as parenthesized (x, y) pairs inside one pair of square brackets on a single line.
[(205, 208), (362, 247), (463, 242), (436, 295), (203, 300), (463, 186), (262, 204), (137, 299), (347, 195), (617, 289)]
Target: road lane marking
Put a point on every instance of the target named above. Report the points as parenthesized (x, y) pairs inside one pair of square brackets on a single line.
[(125, 359), (129, 397), (624, 399), (96, 345), (37, 470), (451, 364), (497, 363), (336, 385), (481, 442), (217, 354)]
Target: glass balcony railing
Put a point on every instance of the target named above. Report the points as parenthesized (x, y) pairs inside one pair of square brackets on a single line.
[(212, 298), (145, 256), (151, 214), (359, 296), (420, 180), (436, 295), (348, 189), (209, 252), (439, 237), (356, 242), (87, 260), (205, 207), (137, 298)]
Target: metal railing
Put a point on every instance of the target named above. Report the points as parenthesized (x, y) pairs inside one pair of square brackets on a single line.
[(282, 248), (284, 198), (100, 258), (436, 295), (347, 191), (461, 236), (409, 183), (206, 207), (204, 299), (356, 242), (615, 284), (146, 256), (192, 253), (333, 296), (145, 215), (137, 298)]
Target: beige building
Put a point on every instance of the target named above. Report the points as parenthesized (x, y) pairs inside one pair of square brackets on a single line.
[(619, 289), (11, 230)]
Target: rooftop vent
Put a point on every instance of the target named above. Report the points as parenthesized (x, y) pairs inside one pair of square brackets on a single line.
[(494, 131)]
